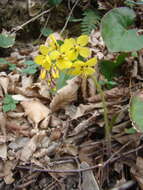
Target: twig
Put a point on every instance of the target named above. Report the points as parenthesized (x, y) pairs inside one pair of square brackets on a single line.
[(44, 26), (66, 23), (17, 28), (22, 186), (109, 161), (124, 186)]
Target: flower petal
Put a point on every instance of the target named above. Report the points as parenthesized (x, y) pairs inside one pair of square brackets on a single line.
[(55, 73), (72, 55), (84, 52), (70, 42), (91, 62), (54, 55), (82, 40), (76, 71), (43, 49), (78, 64), (63, 64), (88, 71), (43, 74), (39, 59)]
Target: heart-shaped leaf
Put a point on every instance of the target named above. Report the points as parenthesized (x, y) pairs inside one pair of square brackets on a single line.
[(136, 111), (116, 33)]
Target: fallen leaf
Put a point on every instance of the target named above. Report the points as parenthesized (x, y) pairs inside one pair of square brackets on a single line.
[(137, 171), (85, 124), (26, 81), (65, 95), (35, 110), (3, 151), (8, 166), (4, 82), (3, 124), (88, 179), (84, 108), (31, 146)]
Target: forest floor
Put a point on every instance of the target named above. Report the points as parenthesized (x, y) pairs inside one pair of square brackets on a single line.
[(58, 142)]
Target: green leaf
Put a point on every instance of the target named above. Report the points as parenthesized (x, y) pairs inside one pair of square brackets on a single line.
[(110, 69), (130, 131), (61, 81), (134, 54), (136, 111), (46, 31), (133, 2), (29, 62), (3, 61), (31, 67), (9, 103), (116, 33), (29, 70), (12, 67), (54, 2), (121, 58), (6, 41)]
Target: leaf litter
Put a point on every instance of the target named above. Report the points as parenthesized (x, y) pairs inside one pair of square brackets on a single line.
[(55, 141)]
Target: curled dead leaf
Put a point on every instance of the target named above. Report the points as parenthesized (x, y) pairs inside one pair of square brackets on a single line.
[(35, 110), (65, 95)]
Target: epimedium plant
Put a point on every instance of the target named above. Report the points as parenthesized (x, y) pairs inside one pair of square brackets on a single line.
[(69, 57), (73, 57)]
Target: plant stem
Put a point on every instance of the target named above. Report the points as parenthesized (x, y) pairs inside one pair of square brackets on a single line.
[(107, 126)]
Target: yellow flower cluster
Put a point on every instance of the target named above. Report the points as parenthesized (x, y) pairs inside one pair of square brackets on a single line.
[(69, 54)]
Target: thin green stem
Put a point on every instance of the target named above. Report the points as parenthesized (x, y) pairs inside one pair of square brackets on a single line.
[(107, 126)]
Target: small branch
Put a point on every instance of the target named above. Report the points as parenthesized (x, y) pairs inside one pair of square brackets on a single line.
[(109, 161), (66, 23), (17, 28)]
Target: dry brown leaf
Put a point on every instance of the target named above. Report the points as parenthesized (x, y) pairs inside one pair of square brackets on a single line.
[(65, 95), (19, 97), (14, 81), (26, 81), (43, 89), (35, 110), (4, 82), (91, 87), (65, 166), (85, 124), (82, 109), (8, 166), (88, 179), (31, 146), (3, 124), (13, 114), (111, 94), (3, 151), (137, 171), (84, 88)]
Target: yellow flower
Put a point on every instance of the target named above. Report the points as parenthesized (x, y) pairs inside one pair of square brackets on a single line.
[(52, 43), (61, 58), (43, 74), (44, 61), (55, 72), (76, 47), (83, 68)]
